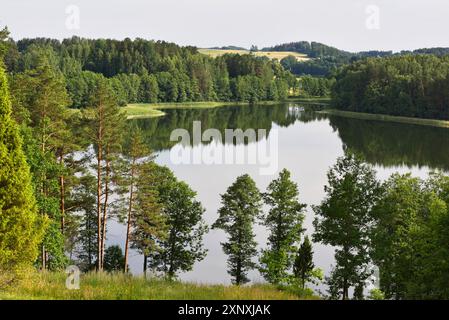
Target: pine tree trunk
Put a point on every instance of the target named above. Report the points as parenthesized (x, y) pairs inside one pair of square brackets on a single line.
[(99, 242), (62, 196), (44, 178), (128, 227), (105, 205)]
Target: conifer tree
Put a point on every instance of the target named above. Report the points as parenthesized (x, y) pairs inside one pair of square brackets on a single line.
[(147, 220), (145, 223), (105, 128), (41, 92), (284, 221), (21, 229), (303, 266), (241, 205)]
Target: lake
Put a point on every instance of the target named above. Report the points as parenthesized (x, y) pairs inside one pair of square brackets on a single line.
[(309, 143)]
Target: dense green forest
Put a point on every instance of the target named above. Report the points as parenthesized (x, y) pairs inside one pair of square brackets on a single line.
[(151, 71), (409, 85)]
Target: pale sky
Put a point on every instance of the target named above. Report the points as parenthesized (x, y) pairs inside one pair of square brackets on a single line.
[(352, 25)]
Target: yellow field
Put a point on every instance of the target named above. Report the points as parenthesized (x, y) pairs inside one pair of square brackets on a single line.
[(279, 55)]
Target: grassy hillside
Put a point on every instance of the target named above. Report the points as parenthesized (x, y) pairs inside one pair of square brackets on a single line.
[(279, 55), (120, 287)]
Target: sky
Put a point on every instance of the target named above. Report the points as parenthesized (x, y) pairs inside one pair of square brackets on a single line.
[(353, 25)]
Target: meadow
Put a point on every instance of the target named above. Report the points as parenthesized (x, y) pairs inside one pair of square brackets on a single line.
[(118, 286)]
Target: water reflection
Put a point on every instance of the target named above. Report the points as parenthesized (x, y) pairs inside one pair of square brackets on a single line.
[(388, 144), (384, 144), (158, 130)]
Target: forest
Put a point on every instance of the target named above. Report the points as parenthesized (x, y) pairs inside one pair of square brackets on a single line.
[(409, 85), (143, 71)]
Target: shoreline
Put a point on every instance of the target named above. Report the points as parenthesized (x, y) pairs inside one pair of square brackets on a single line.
[(154, 110), (384, 117)]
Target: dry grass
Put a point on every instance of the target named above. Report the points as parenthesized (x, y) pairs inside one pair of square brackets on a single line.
[(51, 286)]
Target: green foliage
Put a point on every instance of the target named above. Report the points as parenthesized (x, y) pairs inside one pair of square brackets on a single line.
[(148, 89), (303, 268), (241, 205), (184, 216), (83, 199), (410, 85), (149, 224), (21, 229), (149, 72), (376, 294), (104, 128), (113, 259), (145, 216), (284, 221), (315, 87), (343, 221), (4, 35), (41, 100), (409, 241)]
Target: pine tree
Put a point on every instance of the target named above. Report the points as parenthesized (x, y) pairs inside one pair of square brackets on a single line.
[(41, 92), (4, 36), (83, 203), (113, 259), (143, 212), (21, 229), (241, 205), (149, 224), (105, 129), (303, 266), (284, 221)]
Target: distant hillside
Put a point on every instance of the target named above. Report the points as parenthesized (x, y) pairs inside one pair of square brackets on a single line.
[(317, 50), (228, 48), (325, 59), (279, 55), (312, 49), (436, 51)]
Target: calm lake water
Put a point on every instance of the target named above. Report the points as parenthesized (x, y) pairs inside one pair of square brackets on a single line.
[(308, 144)]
